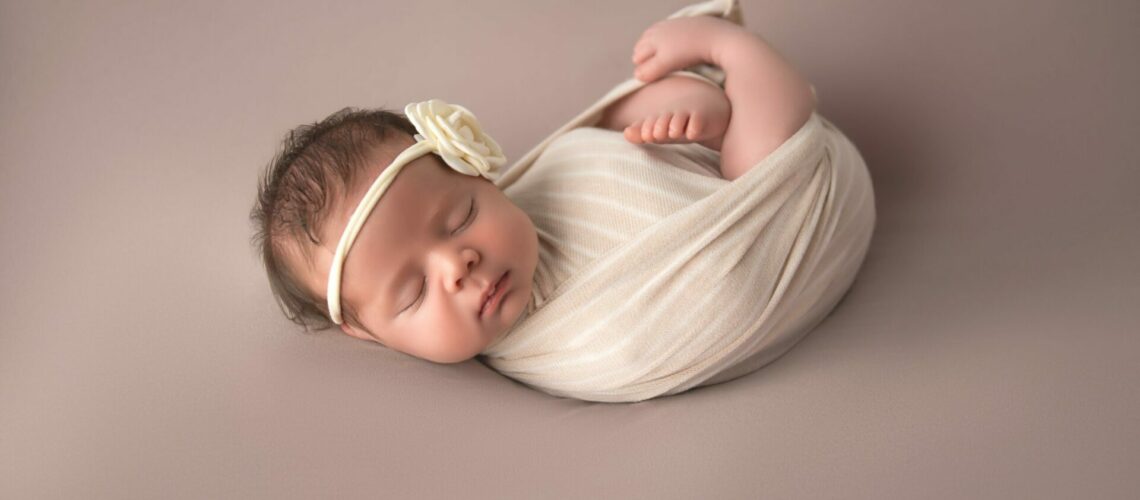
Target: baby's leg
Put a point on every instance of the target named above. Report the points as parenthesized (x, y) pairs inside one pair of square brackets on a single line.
[(673, 110), (770, 99)]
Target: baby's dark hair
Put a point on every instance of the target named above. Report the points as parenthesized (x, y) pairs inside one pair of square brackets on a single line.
[(316, 164)]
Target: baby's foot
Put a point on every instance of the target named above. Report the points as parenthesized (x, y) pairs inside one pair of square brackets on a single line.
[(699, 113)]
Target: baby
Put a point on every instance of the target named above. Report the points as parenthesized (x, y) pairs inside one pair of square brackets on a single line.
[(443, 262)]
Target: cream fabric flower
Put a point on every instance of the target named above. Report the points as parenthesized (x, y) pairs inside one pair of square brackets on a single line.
[(457, 137)]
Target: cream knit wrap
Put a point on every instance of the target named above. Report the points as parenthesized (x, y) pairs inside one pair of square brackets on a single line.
[(655, 276)]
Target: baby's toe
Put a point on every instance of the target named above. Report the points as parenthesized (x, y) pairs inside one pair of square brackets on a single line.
[(661, 129), (632, 133), (647, 129), (695, 128), (677, 125)]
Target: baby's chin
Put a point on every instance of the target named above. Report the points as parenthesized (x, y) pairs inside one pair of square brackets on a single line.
[(513, 323)]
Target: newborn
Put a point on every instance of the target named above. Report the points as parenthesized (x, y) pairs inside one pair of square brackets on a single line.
[(435, 260)]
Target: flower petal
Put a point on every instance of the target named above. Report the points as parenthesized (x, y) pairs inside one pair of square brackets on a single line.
[(467, 134), (457, 164)]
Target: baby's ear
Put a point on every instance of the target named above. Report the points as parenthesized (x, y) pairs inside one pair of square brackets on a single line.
[(360, 333), (353, 332)]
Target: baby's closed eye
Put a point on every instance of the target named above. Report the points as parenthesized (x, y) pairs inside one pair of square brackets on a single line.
[(472, 212)]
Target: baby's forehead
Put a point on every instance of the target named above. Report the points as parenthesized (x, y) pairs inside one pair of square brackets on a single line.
[(420, 180), (420, 190), (380, 159)]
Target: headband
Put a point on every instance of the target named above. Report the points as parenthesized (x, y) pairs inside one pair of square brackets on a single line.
[(448, 130)]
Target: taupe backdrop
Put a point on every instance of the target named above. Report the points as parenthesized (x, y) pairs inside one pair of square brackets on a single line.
[(988, 349)]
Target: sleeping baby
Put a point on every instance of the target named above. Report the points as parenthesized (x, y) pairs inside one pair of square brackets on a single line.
[(684, 230)]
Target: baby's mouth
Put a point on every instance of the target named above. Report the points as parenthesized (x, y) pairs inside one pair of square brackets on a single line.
[(491, 295)]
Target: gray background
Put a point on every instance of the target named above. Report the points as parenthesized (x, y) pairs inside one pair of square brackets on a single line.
[(988, 349)]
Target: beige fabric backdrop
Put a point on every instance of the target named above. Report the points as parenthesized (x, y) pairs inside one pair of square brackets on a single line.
[(988, 349)]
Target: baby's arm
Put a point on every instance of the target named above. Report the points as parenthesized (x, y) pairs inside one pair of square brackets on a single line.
[(769, 99)]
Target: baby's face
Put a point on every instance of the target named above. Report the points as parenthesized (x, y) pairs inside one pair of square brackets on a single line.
[(420, 270)]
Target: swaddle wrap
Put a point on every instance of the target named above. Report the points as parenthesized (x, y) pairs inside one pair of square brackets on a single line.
[(655, 275)]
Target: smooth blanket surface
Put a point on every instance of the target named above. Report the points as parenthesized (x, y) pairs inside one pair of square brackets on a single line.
[(655, 276)]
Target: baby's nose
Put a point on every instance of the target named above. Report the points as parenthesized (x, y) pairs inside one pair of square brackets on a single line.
[(460, 268)]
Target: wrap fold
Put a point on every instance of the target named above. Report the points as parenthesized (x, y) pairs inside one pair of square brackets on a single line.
[(656, 276)]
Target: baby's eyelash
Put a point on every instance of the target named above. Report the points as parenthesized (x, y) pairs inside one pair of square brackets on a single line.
[(423, 292), (470, 216)]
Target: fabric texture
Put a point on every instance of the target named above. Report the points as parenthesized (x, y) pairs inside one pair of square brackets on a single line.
[(656, 275)]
